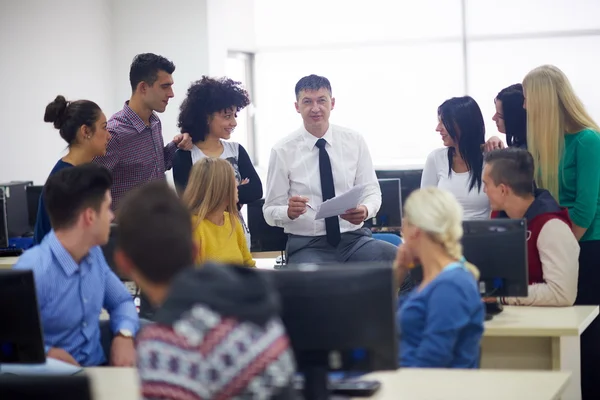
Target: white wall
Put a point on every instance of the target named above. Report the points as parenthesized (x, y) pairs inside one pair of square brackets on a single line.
[(501, 50), (238, 23), (231, 27), (84, 48), (177, 31), (392, 62), (45, 51)]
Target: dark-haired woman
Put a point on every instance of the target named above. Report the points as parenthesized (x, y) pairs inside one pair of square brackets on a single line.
[(82, 124), (209, 115), (458, 166), (510, 118)]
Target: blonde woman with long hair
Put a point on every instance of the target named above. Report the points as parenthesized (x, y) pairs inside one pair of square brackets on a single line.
[(211, 196), (441, 320), (565, 143)]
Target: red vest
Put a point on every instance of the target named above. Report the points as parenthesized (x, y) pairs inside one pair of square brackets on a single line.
[(534, 227)]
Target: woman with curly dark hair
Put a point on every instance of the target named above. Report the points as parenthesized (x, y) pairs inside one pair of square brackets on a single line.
[(209, 114)]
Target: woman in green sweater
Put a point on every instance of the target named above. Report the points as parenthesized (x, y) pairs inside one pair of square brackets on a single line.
[(565, 143)]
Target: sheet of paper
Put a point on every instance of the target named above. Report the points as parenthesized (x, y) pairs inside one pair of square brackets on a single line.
[(50, 367), (340, 204)]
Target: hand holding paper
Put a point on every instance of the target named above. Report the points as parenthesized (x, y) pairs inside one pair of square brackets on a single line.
[(339, 205), (356, 215)]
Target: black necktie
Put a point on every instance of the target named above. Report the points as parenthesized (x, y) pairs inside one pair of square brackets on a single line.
[(332, 224)]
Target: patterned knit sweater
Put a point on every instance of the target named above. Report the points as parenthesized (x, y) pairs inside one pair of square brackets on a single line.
[(217, 336)]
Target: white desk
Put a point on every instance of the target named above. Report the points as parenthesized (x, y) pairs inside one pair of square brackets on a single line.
[(406, 384), (538, 338), (7, 262)]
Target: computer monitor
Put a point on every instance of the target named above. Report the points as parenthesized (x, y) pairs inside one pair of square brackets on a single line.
[(264, 237), (338, 318), (33, 200), (410, 179), (389, 216), (498, 248), (74, 387), (21, 337)]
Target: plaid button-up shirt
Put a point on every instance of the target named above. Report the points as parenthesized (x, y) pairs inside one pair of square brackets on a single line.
[(136, 152)]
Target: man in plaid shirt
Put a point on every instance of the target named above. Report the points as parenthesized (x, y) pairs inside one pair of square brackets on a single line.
[(136, 152)]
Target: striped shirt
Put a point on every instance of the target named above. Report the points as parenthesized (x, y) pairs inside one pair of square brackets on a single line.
[(136, 152), (71, 297)]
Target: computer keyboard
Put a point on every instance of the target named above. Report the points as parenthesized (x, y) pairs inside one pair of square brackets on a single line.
[(350, 387), (10, 252)]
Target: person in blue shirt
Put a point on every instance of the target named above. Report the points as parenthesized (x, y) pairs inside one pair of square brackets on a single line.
[(440, 322), (82, 124), (73, 281)]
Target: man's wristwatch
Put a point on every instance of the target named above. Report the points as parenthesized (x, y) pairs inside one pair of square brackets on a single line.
[(126, 333)]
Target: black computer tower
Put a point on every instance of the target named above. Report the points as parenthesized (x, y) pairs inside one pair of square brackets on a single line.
[(15, 204), (3, 223)]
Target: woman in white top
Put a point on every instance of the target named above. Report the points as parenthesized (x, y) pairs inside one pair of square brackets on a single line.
[(458, 167)]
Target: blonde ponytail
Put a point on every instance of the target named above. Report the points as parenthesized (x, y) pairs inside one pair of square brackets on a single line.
[(453, 246), (437, 213)]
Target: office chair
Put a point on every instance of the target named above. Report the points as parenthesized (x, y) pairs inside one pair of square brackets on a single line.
[(388, 237)]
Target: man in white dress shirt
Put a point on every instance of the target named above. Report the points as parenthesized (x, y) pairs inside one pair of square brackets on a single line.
[(313, 164)]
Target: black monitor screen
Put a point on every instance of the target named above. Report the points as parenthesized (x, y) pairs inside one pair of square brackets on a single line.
[(75, 387), (339, 317), (498, 248), (21, 338), (390, 212), (3, 220), (410, 179)]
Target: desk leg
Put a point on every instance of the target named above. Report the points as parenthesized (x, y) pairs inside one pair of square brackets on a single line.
[(566, 357)]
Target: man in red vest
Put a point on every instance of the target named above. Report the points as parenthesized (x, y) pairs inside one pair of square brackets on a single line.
[(552, 250)]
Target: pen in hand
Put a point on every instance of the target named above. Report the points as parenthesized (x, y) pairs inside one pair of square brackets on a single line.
[(311, 207)]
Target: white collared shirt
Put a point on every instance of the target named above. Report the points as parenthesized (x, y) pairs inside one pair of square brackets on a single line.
[(294, 171)]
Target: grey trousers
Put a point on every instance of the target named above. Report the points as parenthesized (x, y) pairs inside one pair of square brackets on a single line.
[(355, 246)]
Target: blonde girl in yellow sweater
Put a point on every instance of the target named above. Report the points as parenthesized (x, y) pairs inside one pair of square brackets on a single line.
[(211, 196)]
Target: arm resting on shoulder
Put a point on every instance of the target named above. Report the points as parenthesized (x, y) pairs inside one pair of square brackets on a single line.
[(169, 153)]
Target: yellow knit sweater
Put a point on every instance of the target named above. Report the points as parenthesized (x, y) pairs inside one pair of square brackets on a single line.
[(218, 243)]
